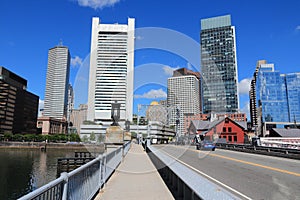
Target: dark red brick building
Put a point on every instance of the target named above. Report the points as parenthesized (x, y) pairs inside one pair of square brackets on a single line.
[(232, 131)]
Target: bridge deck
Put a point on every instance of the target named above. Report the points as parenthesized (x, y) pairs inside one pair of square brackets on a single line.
[(135, 178)]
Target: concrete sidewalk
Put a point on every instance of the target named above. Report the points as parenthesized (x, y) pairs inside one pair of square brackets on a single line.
[(135, 178)]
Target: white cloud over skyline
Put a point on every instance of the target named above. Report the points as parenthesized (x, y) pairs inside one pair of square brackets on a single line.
[(169, 70), (244, 86), (152, 94), (77, 61), (97, 4), (246, 108), (298, 28)]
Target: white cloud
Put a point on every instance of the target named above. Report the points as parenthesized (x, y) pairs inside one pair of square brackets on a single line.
[(298, 28), (97, 4), (152, 94), (246, 108), (41, 107), (169, 70), (138, 37), (77, 61), (244, 86), (189, 66)]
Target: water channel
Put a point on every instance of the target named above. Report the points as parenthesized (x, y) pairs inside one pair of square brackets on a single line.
[(24, 170)]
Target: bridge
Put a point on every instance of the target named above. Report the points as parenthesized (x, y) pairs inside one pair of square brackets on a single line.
[(177, 172)]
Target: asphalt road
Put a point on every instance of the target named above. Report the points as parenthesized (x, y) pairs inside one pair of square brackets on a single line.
[(252, 176)]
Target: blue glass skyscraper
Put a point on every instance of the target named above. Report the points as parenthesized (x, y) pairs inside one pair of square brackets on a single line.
[(293, 94), (271, 94), (278, 95)]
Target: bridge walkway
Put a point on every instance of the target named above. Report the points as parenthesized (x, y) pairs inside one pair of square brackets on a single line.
[(135, 178)]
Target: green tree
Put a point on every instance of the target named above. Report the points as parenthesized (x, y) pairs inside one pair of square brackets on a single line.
[(92, 136), (8, 135), (17, 137), (133, 134), (87, 122), (101, 138), (85, 138), (74, 137)]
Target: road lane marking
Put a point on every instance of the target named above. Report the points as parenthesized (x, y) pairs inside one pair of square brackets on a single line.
[(207, 176), (257, 165), (248, 163), (262, 156)]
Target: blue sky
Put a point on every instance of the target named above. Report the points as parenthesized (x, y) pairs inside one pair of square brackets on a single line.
[(265, 29)]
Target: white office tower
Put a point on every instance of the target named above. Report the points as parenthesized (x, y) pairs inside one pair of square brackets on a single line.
[(57, 81), (183, 94), (111, 70)]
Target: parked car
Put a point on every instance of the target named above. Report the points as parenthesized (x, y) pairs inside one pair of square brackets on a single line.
[(206, 145)]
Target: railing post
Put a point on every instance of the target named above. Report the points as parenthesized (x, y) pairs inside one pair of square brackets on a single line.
[(65, 190)]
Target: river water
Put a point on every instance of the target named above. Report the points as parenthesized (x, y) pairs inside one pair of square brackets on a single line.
[(24, 170)]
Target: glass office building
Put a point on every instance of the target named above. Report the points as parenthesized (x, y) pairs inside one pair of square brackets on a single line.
[(219, 65), (271, 94), (293, 95)]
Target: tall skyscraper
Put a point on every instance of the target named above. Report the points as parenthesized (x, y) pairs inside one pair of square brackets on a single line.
[(252, 95), (271, 94), (111, 70), (57, 81), (219, 65), (183, 93), (293, 94), (18, 107)]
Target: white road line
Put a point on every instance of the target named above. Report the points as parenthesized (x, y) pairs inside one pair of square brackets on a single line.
[(209, 177)]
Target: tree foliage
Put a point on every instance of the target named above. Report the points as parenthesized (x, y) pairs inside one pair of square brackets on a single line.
[(41, 138)]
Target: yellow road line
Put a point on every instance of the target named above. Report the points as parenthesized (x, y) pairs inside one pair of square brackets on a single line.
[(257, 165), (247, 162)]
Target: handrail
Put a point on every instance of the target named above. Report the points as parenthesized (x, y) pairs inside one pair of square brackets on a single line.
[(265, 150), (83, 182)]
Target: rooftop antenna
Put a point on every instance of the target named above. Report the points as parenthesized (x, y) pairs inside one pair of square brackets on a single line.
[(295, 122), (60, 43)]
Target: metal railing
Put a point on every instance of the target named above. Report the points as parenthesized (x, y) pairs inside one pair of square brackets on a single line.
[(83, 182), (271, 151), (184, 182)]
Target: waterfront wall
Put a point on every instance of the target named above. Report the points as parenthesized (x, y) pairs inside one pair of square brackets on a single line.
[(38, 145)]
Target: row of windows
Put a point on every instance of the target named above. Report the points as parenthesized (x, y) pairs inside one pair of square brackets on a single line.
[(230, 138)]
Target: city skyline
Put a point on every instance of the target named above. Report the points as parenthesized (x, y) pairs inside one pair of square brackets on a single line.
[(266, 35)]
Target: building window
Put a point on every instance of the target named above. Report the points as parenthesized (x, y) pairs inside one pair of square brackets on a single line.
[(235, 138), (230, 138), (229, 129), (224, 129), (225, 137)]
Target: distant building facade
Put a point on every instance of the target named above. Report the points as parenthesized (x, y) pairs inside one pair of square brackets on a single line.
[(70, 105), (78, 116), (271, 94), (184, 95), (111, 70), (57, 81), (219, 65), (225, 128), (18, 107), (51, 125), (293, 95), (274, 97), (252, 95)]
